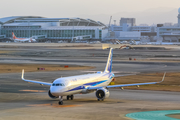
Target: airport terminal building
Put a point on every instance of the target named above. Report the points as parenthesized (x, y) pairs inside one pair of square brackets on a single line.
[(53, 29)]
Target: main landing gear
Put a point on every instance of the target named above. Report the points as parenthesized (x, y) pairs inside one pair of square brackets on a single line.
[(70, 97), (100, 99)]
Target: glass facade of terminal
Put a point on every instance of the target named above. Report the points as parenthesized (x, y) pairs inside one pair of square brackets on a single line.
[(50, 33), (52, 28)]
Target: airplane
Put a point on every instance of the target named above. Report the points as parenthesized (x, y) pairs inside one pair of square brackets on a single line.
[(22, 39), (83, 84)]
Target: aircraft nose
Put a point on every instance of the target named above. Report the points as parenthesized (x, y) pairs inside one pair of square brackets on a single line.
[(56, 91)]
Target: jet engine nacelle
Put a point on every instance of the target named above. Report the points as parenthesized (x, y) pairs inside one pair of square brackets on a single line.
[(102, 93), (51, 96)]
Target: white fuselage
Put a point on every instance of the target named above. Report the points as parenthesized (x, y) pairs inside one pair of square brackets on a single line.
[(25, 40), (78, 84), (22, 39)]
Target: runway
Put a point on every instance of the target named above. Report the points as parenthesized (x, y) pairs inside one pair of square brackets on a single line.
[(21, 100)]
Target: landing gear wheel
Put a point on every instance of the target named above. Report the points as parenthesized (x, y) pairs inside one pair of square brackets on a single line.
[(68, 97), (100, 99), (60, 102), (72, 97)]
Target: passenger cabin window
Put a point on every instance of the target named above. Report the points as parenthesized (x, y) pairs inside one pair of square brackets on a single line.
[(57, 84)]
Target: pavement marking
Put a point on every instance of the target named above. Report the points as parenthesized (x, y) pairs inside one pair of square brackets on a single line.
[(53, 105), (33, 90), (153, 115)]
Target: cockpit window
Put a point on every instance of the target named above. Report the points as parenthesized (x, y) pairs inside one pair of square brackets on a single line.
[(57, 84)]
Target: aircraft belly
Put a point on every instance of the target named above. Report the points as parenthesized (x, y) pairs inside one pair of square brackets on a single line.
[(72, 92)]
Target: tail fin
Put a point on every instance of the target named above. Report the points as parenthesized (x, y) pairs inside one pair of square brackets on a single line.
[(108, 67), (13, 36)]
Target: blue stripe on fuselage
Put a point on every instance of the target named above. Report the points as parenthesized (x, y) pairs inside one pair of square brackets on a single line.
[(90, 84), (76, 88), (99, 83), (95, 83)]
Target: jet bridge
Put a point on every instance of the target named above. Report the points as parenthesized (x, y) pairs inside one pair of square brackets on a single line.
[(84, 37), (39, 36), (2, 36)]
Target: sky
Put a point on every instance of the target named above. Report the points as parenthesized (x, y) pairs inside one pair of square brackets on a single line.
[(84, 8)]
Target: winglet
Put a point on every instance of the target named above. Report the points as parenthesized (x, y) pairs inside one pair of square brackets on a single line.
[(22, 74), (163, 78)]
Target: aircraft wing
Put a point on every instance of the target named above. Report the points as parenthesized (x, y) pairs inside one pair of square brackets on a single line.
[(124, 75), (126, 85), (32, 81)]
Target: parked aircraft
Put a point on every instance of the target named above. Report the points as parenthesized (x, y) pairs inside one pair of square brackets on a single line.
[(98, 82), (22, 39)]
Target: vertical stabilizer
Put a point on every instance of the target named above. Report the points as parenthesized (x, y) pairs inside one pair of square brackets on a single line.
[(13, 36), (108, 67)]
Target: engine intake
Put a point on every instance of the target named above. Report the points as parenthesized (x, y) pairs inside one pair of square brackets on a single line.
[(102, 93), (51, 96)]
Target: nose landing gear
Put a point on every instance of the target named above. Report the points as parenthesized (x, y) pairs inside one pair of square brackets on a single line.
[(68, 97), (60, 100)]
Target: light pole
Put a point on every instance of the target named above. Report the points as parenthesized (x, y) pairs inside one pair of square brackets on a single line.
[(29, 28), (73, 32)]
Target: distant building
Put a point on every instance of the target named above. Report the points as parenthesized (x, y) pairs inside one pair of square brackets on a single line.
[(128, 21), (168, 32), (179, 17), (160, 25), (128, 35), (168, 24), (52, 29), (176, 25), (127, 32), (143, 25)]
